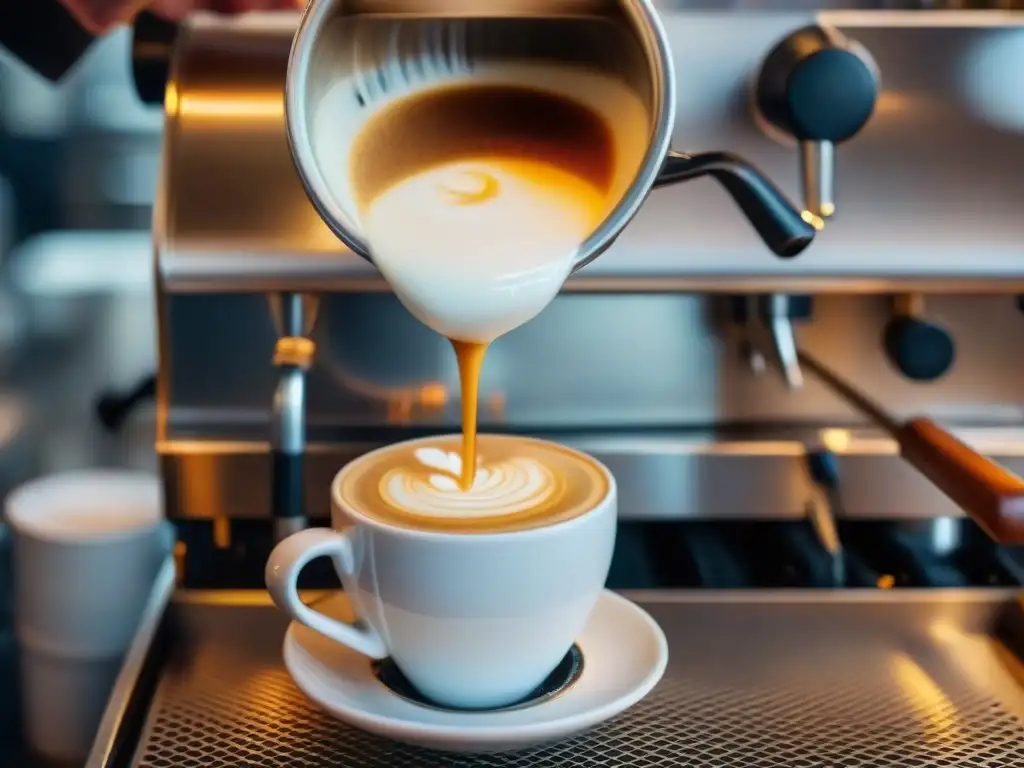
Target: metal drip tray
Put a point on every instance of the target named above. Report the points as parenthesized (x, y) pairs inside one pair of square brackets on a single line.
[(856, 679)]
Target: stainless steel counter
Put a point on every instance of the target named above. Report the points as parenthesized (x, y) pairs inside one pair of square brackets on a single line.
[(875, 680)]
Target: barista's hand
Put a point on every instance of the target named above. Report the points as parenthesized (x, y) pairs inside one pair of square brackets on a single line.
[(100, 15)]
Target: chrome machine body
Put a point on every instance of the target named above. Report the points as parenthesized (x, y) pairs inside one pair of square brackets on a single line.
[(644, 360)]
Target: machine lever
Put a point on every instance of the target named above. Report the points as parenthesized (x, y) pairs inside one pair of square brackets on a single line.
[(990, 494)]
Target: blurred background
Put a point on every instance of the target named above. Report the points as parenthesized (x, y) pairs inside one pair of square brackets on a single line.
[(78, 164)]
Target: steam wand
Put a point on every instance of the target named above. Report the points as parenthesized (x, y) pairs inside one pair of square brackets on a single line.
[(990, 494), (294, 315)]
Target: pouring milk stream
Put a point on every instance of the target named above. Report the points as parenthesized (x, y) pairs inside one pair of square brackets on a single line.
[(475, 198)]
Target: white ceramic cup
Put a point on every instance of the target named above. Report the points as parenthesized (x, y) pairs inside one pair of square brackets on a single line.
[(474, 621), (87, 547), (63, 701)]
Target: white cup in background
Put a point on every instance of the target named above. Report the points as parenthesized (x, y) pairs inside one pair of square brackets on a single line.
[(87, 547), (63, 700)]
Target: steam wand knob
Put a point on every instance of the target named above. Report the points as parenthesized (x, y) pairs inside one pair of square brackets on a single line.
[(820, 88)]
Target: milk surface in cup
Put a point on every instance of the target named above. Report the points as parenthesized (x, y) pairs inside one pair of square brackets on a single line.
[(519, 484)]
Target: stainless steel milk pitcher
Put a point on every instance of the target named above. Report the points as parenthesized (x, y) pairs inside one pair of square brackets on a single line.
[(376, 44)]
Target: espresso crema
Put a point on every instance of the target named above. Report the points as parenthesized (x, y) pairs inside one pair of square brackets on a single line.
[(519, 483)]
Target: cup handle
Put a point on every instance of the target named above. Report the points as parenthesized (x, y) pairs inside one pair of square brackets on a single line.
[(282, 575)]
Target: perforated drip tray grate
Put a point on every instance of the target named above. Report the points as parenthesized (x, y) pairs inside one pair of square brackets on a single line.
[(755, 679)]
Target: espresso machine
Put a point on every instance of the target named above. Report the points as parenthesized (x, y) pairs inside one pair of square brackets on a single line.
[(799, 443)]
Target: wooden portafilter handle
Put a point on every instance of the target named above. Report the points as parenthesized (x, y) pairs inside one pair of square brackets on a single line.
[(990, 494)]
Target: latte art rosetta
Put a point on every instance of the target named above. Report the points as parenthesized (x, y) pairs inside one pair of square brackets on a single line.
[(520, 483), (512, 485)]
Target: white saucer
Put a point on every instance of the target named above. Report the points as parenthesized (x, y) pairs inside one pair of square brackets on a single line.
[(624, 656)]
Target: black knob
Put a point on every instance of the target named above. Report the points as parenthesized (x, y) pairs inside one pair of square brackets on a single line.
[(819, 87), (114, 408), (152, 46), (918, 349)]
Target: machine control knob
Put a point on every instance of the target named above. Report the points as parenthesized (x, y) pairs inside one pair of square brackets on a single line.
[(918, 349), (152, 46), (820, 88)]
